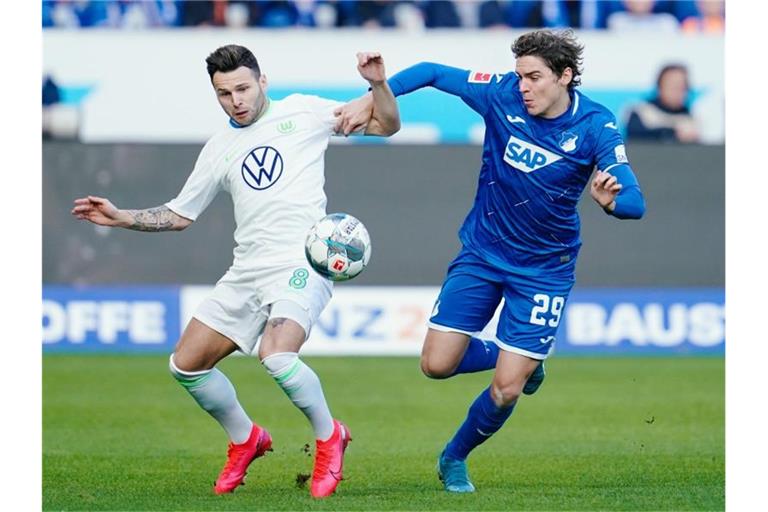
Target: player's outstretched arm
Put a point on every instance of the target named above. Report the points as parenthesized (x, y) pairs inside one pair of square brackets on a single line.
[(385, 117), (101, 211), (375, 112)]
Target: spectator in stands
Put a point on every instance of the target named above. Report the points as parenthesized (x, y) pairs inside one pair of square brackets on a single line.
[(109, 13), (137, 15), (709, 18), (441, 14), (643, 15), (51, 96), (51, 92), (666, 117), (491, 15), (376, 13), (275, 14), (524, 14), (59, 121), (74, 14), (194, 14)]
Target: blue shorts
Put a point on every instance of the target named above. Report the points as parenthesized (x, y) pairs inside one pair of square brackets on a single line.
[(533, 305)]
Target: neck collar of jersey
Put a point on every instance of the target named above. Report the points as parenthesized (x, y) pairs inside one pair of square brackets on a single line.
[(572, 108), (235, 124)]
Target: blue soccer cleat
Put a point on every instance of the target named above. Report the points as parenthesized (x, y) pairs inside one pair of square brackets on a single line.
[(453, 474), (535, 380)]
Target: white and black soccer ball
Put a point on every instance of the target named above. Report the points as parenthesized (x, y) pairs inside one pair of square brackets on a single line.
[(338, 247)]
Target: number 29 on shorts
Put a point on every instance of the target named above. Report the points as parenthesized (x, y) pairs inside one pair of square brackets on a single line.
[(546, 304)]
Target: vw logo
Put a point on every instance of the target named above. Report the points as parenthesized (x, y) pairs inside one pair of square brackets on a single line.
[(262, 167)]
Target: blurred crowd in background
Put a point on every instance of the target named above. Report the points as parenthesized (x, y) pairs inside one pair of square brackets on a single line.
[(691, 16), (665, 115)]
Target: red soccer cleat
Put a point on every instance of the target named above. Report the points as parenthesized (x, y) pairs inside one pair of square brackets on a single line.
[(239, 457), (329, 461)]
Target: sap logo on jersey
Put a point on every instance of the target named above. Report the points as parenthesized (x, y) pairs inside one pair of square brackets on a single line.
[(262, 167), (527, 157)]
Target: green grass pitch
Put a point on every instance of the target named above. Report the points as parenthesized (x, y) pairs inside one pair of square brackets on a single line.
[(601, 434)]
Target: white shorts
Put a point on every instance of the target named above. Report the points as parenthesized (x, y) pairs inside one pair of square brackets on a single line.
[(242, 302)]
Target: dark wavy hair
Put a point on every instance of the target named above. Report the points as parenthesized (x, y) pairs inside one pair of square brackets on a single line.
[(558, 49), (229, 58)]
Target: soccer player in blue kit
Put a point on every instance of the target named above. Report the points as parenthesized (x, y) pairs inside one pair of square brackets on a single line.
[(543, 140)]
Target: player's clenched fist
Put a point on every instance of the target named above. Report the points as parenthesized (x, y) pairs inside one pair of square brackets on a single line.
[(371, 66), (604, 189)]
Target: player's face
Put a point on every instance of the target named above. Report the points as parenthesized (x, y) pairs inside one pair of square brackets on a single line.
[(241, 94), (544, 93), (673, 88)]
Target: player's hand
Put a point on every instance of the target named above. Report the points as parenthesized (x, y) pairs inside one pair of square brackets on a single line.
[(354, 116), (99, 211), (370, 65), (604, 189)]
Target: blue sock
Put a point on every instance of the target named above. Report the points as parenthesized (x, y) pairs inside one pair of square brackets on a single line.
[(480, 356), (483, 420)]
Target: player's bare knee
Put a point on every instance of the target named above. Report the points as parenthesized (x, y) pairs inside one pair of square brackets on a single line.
[(281, 335), (178, 363), (265, 352), (434, 369), (505, 394), (188, 361)]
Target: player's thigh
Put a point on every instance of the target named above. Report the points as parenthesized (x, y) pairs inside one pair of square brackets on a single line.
[(533, 309), (294, 300), (512, 372), (201, 347), (234, 309), (285, 331), (469, 296)]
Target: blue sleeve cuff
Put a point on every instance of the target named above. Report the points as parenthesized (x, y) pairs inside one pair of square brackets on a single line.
[(629, 204)]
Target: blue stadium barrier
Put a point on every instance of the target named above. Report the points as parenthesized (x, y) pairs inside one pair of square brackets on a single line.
[(611, 321)]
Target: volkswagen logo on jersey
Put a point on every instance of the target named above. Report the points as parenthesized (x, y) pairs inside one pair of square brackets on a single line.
[(527, 157), (262, 167)]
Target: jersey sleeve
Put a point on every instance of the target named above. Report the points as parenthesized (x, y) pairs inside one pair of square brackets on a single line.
[(200, 188), (323, 109), (474, 88), (611, 156), (610, 150)]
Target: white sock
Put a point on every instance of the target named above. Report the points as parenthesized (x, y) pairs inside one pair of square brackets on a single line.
[(303, 387), (213, 391)]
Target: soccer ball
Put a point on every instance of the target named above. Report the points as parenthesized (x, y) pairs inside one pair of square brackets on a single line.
[(338, 247)]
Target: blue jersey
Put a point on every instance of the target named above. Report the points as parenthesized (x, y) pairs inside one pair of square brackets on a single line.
[(525, 218)]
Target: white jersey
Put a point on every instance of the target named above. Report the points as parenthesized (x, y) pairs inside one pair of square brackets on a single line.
[(274, 171)]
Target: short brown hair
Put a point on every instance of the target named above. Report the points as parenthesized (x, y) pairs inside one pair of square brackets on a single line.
[(229, 58), (559, 50)]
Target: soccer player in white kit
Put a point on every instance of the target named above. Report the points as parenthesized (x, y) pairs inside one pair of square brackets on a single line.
[(271, 160)]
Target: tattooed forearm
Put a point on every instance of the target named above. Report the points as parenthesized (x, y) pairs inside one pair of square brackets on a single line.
[(154, 219)]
